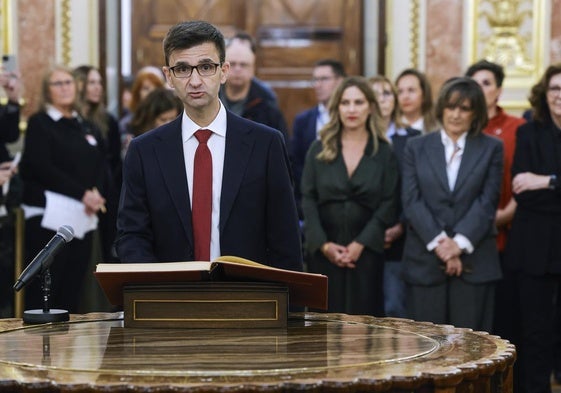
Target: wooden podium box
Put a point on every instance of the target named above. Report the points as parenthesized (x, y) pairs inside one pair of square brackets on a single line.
[(206, 305)]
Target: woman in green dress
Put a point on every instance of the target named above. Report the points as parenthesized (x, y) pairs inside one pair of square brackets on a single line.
[(350, 190)]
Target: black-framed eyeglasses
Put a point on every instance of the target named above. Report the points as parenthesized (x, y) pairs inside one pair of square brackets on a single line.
[(321, 79), (185, 70), (554, 90), (67, 82)]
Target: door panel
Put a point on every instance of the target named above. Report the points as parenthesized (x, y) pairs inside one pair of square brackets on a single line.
[(291, 35)]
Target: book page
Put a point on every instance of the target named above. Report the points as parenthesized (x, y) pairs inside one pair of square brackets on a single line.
[(241, 261), (153, 267)]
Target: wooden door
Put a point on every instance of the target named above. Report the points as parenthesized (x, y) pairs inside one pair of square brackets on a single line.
[(291, 36)]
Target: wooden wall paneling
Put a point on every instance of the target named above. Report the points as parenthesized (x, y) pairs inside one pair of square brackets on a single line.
[(291, 36)]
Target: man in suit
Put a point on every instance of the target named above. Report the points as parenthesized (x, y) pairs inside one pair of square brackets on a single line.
[(244, 94), (326, 76), (253, 213), (451, 185)]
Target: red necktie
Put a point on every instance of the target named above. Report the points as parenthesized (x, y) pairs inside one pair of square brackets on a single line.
[(202, 196)]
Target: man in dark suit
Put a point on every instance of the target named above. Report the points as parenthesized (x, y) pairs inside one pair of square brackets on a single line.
[(326, 76), (253, 209), (244, 94)]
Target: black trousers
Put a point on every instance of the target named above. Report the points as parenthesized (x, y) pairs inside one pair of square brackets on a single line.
[(68, 268), (537, 297)]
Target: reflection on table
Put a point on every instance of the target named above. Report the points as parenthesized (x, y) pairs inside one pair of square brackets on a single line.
[(94, 352)]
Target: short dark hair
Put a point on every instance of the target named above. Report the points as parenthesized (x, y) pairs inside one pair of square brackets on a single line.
[(185, 35), (457, 90), (337, 67), (246, 37), (496, 69), (538, 94), (158, 101)]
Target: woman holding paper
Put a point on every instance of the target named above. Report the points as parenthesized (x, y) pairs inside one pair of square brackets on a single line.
[(63, 165)]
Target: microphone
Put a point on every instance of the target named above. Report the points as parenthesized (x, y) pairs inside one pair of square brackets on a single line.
[(45, 257)]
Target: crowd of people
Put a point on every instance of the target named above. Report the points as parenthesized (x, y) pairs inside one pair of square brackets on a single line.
[(444, 210)]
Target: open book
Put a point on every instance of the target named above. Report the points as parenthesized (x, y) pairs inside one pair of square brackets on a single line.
[(305, 289)]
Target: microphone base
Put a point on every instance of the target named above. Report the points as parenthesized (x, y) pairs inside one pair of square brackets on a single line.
[(38, 316)]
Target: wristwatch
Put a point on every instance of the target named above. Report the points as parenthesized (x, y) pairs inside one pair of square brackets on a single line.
[(553, 183)]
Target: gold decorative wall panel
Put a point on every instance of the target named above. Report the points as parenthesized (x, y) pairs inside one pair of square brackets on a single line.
[(6, 28), (65, 32), (511, 33), (414, 35)]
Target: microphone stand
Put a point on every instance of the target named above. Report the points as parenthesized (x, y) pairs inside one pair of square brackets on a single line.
[(45, 315)]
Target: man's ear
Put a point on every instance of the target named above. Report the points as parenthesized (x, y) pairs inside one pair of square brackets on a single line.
[(167, 74), (225, 71)]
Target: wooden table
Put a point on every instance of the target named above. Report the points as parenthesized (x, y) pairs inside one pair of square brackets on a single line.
[(316, 353)]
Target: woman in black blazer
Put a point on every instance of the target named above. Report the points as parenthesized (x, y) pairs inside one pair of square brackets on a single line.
[(534, 244), (63, 154)]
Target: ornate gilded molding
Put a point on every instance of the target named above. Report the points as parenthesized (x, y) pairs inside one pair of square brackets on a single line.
[(414, 33), (6, 28), (511, 33), (66, 43)]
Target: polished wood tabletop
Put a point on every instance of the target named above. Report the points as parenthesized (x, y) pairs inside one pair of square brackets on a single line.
[(317, 352)]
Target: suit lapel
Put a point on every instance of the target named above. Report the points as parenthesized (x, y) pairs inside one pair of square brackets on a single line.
[(436, 158), (239, 143), (470, 157), (170, 157)]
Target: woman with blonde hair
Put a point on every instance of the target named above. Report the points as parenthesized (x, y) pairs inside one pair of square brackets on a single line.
[(395, 289), (349, 189), (414, 96), (63, 154), (90, 103)]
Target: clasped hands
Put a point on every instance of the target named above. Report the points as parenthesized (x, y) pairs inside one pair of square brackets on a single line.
[(342, 256), (93, 201), (449, 252)]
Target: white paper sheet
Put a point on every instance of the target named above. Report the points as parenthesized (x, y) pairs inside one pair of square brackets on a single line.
[(62, 210)]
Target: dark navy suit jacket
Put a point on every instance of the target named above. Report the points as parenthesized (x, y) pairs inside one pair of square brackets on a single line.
[(303, 134), (258, 218)]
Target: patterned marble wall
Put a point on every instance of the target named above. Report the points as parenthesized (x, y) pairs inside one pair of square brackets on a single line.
[(555, 43), (36, 45), (443, 57)]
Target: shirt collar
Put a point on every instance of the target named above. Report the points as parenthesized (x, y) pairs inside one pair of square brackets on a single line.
[(56, 115), (217, 126), (393, 130), (447, 141)]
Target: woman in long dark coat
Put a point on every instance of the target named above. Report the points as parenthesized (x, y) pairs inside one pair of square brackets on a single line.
[(349, 189), (534, 244)]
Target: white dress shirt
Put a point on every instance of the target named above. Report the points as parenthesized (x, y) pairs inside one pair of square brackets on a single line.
[(217, 146), (453, 162), (322, 119)]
